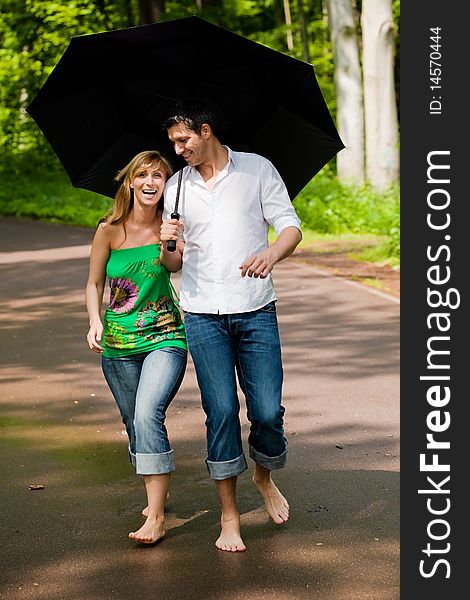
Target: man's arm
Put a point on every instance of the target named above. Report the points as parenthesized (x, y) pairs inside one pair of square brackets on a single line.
[(261, 264)]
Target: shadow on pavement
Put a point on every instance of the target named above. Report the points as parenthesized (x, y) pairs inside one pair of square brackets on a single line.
[(61, 429)]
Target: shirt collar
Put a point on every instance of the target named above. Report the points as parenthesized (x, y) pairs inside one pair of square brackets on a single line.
[(231, 156), (195, 175)]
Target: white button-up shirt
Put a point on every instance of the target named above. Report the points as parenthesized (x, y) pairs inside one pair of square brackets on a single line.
[(223, 227)]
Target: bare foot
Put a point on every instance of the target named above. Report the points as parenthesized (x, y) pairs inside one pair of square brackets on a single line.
[(276, 505), (150, 532), (230, 539), (145, 511)]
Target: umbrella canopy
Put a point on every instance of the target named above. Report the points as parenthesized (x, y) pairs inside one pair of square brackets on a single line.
[(107, 96)]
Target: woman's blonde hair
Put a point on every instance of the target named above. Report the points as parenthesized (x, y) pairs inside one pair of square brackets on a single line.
[(124, 199)]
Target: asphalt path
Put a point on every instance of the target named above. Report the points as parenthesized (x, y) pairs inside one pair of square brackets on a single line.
[(60, 429)]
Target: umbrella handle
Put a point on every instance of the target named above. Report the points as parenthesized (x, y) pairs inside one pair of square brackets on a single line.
[(171, 244)]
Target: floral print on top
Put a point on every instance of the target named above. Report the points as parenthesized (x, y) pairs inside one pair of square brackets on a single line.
[(143, 313), (123, 294)]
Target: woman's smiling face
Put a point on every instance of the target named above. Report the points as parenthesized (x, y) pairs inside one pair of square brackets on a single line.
[(148, 184)]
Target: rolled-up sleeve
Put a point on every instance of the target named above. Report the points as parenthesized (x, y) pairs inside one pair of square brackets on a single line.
[(276, 204)]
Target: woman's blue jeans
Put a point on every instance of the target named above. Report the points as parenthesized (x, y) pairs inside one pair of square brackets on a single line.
[(247, 344), (143, 386)]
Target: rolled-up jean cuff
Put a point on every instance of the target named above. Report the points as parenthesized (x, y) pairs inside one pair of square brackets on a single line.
[(227, 468), (154, 464), (269, 462)]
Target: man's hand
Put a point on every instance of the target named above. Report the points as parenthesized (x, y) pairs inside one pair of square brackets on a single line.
[(259, 265)]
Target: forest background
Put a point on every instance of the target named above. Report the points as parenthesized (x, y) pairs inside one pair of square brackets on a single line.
[(353, 46)]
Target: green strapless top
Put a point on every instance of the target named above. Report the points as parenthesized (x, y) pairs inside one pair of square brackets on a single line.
[(143, 312)]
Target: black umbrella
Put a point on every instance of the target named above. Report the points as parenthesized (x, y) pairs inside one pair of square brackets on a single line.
[(108, 94)]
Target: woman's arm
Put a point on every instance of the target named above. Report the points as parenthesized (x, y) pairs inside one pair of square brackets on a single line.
[(95, 286)]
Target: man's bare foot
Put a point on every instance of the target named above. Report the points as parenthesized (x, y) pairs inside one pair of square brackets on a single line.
[(150, 532), (276, 505), (230, 539)]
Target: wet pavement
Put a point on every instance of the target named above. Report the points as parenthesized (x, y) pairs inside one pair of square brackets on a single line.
[(60, 429)]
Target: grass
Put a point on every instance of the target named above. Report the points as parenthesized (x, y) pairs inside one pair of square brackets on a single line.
[(49, 196), (361, 247), (328, 206), (378, 252), (378, 285)]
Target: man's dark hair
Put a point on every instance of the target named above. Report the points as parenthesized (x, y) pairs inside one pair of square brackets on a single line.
[(193, 116)]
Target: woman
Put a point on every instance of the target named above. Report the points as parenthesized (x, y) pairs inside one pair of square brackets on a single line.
[(142, 341)]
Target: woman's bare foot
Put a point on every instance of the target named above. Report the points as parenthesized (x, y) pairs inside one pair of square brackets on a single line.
[(150, 532), (230, 539), (276, 505), (145, 511)]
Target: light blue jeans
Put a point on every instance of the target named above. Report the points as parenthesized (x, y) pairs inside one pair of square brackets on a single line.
[(246, 344), (143, 386)]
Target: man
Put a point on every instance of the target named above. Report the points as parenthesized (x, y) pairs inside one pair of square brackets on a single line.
[(227, 202)]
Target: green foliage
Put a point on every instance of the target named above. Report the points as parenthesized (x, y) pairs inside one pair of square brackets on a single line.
[(327, 206), (47, 194), (34, 34)]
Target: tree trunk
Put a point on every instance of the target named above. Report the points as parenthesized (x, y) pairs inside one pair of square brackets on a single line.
[(151, 11), (378, 38), (205, 4), (349, 96), (212, 10), (288, 18), (303, 31)]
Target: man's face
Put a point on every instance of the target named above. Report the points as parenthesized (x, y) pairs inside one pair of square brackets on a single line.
[(188, 144)]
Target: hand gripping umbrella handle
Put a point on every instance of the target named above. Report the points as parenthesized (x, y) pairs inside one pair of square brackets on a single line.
[(171, 244)]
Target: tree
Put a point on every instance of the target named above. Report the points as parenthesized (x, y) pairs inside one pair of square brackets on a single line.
[(151, 11), (34, 34), (348, 84), (381, 121), (303, 30), (207, 4), (290, 39)]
